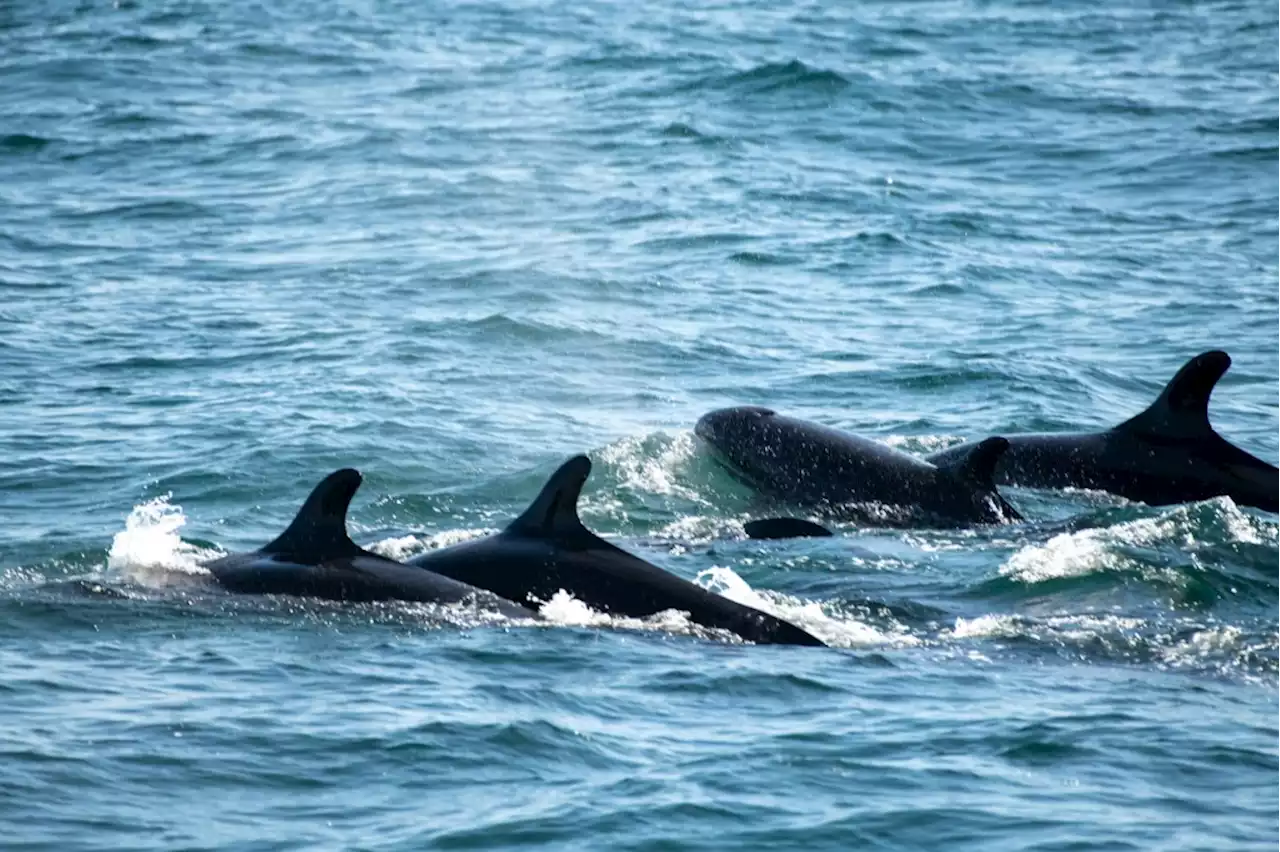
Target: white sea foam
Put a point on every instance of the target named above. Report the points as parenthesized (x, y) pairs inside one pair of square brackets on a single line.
[(842, 631), (1204, 646), (921, 444), (1083, 552), (565, 610), (700, 528), (987, 627), (1087, 551), (408, 546), (149, 549), (640, 469)]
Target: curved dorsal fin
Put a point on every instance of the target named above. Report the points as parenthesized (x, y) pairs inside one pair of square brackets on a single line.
[(979, 464), (1182, 409), (319, 530), (555, 511)]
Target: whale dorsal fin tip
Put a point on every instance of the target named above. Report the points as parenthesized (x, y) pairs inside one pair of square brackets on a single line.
[(555, 509), (319, 530), (1182, 409), (978, 465)]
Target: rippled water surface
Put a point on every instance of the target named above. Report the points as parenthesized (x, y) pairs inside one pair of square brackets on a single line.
[(453, 243)]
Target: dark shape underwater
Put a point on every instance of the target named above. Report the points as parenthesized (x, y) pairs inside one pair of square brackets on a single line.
[(808, 465), (775, 528), (547, 549), (315, 557), (1167, 454)]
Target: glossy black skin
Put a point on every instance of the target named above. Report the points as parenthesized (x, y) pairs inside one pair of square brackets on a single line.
[(841, 475), (314, 557), (777, 528), (547, 549), (1168, 454), (358, 579)]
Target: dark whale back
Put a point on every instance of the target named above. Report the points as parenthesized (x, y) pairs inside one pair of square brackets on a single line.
[(315, 557), (1169, 453), (809, 465), (548, 549)]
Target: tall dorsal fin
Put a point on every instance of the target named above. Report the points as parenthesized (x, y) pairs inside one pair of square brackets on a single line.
[(978, 466), (319, 530), (1182, 409), (555, 511)]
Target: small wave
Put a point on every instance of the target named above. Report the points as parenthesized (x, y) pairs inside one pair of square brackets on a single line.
[(1181, 643), (564, 610), (406, 547), (986, 626), (163, 209), (844, 632), (652, 463), (149, 550), (779, 76), (921, 444), (761, 258), (692, 529), (1191, 528), (20, 143), (680, 130)]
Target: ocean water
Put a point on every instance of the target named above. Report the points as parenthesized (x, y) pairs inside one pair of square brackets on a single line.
[(450, 244)]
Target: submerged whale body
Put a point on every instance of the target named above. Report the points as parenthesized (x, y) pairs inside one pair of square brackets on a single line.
[(315, 557), (842, 475), (1167, 454), (548, 549), (767, 528)]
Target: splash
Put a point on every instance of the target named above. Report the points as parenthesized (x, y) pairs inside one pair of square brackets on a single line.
[(1210, 647), (1084, 552), (921, 444), (149, 549), (565, 610), (1093, 550), (844, 631), (653, 463), (699, 529), (987, 627), (406, 547)]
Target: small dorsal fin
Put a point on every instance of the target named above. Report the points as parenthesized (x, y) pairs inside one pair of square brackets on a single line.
[(979, 464), (1182, 409), (555, 511), (784, 528), (319, 530)]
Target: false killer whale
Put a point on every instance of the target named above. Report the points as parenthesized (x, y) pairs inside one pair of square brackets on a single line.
[(1167, 454), (547, 549), (315, 557), (845, 476)]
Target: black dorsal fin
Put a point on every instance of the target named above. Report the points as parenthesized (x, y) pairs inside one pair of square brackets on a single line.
[(784, 528), (1182, 409), (319, 530), (555, 511), (978, 466)]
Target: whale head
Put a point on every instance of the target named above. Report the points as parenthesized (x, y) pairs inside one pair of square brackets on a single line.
[(740, 437)]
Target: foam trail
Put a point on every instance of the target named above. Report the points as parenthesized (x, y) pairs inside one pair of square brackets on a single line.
[(149, 549), (565, 610), (844, 632)]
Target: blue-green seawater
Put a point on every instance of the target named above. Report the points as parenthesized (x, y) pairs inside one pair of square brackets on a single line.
[(451, 244)]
